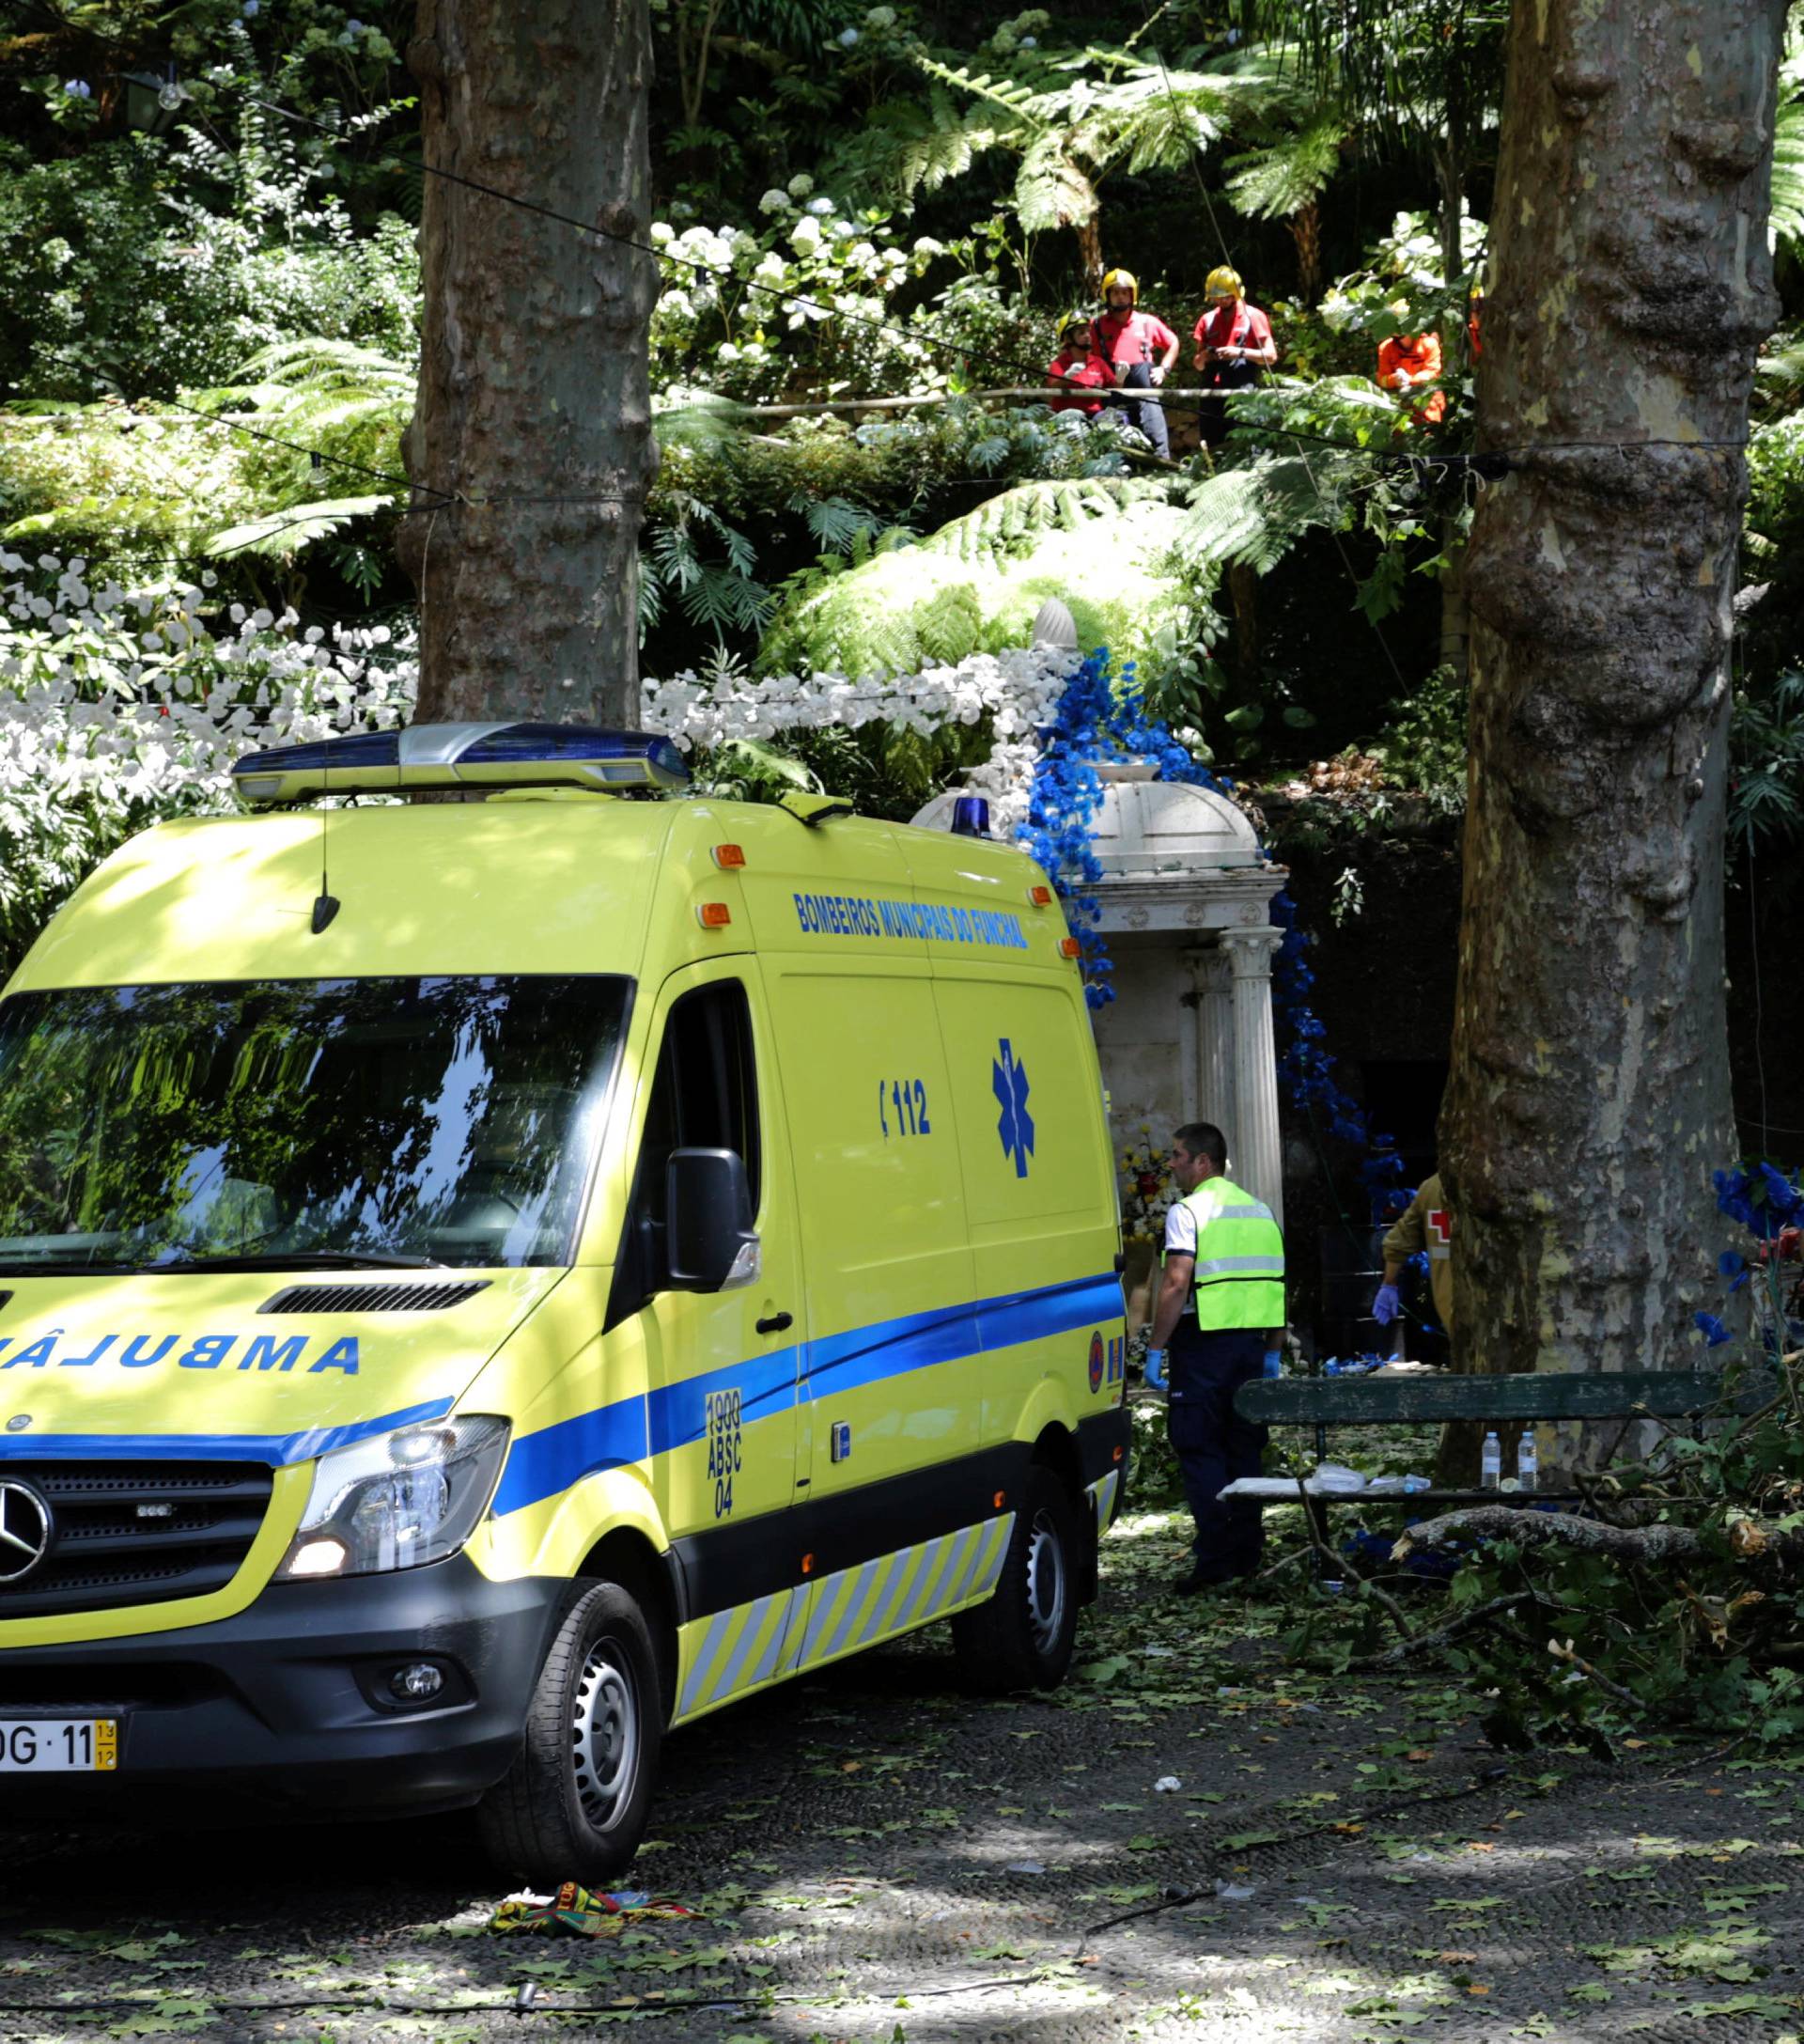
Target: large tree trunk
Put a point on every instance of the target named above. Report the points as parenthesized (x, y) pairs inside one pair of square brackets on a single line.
[(535, 408), (1589, 1097)]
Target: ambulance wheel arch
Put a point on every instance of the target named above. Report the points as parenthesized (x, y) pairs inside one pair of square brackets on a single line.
[(1055, 1450), (626, 1558), (1022, 1638), (605, 1529)]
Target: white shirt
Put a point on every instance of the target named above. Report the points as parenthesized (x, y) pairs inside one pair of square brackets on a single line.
[(1180, 1230)]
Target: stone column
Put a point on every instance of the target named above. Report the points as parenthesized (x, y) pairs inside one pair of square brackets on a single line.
[(1257, 1154), (1212, 978)]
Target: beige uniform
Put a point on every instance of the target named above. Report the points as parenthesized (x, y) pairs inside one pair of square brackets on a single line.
[(1425, 1224)]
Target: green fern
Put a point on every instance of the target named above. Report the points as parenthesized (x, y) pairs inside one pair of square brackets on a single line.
[(1786, 220), (1252, 515), (1281, 179), (1010, 522), (1051, 189), (948, 626), (1021, 100), (280, 535)]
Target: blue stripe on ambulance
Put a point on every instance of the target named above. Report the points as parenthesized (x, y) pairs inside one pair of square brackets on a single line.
[(542, 1464)]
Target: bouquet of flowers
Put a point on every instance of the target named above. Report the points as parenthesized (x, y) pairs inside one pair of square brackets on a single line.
[(1146, 1190)]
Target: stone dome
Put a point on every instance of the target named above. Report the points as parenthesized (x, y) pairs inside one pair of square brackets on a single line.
[(1146, 828)]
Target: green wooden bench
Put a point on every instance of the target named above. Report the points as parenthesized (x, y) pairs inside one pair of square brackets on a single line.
[(1322, 1403)]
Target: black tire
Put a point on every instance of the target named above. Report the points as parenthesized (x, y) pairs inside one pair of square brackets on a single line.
[(1022, 1638), (573, 1805)]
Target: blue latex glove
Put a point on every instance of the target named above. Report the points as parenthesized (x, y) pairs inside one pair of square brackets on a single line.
[(1156, 1369), (1387, 1305), (1274, 1362)]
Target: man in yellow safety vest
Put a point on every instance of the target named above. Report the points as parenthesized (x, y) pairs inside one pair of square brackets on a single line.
[(1221, 1312)]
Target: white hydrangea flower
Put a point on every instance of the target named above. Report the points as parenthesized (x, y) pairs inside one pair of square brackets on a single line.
[(775, 201), (801, 186)]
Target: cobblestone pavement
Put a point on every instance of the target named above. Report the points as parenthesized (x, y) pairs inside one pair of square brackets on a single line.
[(876, 1857)]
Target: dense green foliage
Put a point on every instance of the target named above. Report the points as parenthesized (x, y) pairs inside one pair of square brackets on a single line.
[(851, 200)]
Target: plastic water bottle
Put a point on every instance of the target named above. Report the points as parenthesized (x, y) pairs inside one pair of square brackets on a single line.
[(1527, 1465), (1490, 1463)]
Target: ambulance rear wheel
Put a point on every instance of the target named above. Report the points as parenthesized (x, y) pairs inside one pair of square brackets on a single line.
[(574, 1804), (1022, 1638)]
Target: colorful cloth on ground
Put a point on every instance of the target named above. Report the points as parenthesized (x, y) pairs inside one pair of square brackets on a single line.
[(582, 1912)]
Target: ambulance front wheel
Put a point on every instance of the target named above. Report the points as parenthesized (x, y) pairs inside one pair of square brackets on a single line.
[(1022, 1638), (573, 1806)]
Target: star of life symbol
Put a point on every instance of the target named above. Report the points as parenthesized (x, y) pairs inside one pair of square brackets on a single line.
[(1008, 1080), (25, 1530)]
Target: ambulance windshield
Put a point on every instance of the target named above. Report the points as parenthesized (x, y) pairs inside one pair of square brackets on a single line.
[(300, 1123)]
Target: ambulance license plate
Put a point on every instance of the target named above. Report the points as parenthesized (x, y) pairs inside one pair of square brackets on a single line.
[(59, 1745)]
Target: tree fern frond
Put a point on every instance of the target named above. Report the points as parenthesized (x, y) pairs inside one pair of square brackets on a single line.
[(1786, 221), (836, 523), (1252, 514), (278, 534), (1007, 521), (1024, 103), (1051, 190), (1273, 182)]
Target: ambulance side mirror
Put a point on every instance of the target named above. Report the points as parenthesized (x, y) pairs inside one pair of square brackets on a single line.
[(710, 1241)]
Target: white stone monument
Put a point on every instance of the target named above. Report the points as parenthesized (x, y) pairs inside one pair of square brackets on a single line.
[(1186, 898)]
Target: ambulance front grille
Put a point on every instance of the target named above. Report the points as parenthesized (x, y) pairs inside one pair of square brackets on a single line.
[(127, 1533), (432, 1298)]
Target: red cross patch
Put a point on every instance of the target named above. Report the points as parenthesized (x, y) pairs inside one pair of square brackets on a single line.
[(1440, 1226)]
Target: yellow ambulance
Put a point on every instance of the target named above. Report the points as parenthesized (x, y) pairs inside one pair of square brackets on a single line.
[(486, 1280)]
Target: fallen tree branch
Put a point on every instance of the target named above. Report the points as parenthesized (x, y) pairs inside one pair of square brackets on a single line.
[(1406, 1649), (1582, 1667), (1641, 1545), (1382, 1597)]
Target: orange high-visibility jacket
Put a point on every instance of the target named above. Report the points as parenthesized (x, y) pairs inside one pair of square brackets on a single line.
[(1416, 356)]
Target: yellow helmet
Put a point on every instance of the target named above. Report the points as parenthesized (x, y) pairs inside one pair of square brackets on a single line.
[(1126, 280), (1078, 323), (1224, 282)]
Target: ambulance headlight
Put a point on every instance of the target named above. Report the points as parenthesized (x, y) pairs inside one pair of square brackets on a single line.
[(400, 1500)]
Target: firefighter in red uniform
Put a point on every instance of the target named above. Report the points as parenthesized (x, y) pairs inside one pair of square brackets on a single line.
[(1233, 347), (1080, 369), (1140, 349)]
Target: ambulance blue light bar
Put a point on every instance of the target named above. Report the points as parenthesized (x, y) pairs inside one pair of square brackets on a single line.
[(427, 756)]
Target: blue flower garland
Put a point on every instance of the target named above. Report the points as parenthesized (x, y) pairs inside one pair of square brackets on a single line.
[(1097, 719)]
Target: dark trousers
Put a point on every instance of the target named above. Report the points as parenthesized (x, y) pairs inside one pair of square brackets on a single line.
[(1214, 1446), (1147, 414), (1212, 418)]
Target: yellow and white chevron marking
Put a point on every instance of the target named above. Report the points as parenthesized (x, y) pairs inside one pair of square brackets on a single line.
[(894, 1593), (1103, 1492), (735, 1651)]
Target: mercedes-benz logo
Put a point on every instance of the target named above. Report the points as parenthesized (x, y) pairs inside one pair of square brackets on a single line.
[(25, 1528)]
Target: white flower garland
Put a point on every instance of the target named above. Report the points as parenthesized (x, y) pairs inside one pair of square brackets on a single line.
[(117, 706)]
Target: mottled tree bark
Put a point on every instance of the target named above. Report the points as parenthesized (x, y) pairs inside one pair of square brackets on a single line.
[(534, 409), (1590, 1094)]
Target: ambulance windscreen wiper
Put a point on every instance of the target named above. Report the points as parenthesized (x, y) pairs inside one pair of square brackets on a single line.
[(301, 1260)]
